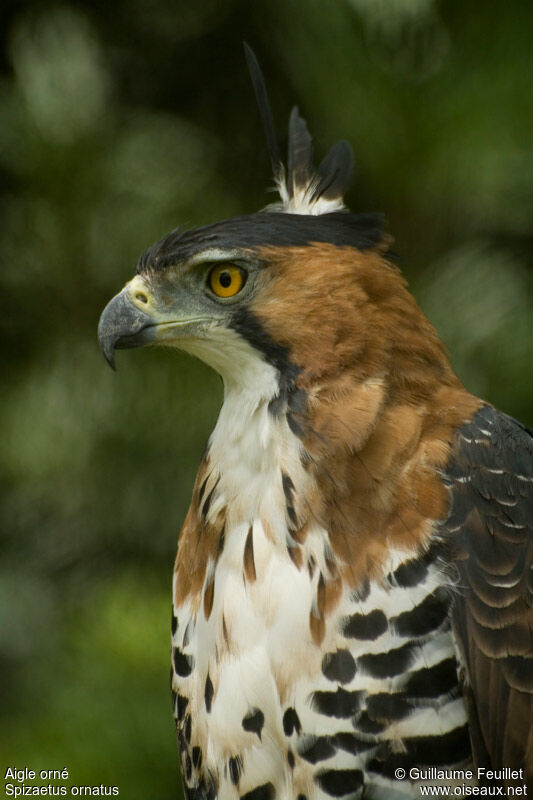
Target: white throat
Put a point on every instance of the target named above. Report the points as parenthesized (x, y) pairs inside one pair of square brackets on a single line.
[(249, 445)]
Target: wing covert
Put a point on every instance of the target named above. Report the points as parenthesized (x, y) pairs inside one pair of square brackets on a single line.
[(490, 526)]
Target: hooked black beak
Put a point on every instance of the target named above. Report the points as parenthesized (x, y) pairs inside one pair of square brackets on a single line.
[(123, 325)]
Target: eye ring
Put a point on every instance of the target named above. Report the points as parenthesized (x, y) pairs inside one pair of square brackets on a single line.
[(226, 280)]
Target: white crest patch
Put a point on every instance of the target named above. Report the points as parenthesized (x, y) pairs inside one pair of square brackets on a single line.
[(304, 201)]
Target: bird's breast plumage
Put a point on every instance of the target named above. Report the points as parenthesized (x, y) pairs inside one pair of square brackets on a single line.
[(290, 680)]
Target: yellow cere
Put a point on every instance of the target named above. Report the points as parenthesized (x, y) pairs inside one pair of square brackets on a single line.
[(226, 280)]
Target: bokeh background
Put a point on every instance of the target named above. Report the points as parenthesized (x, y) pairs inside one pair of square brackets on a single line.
[(120, 120)]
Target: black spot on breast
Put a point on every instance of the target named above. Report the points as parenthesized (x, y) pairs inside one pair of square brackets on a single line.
[(339, 782), (425, 617), (386, 665), (365, 626), (339, 666), (290, 759), (352, 743), (412, 572), (441, 750), (207, 503), (288, 488), (209, 596), (187, 728), (248, 558), (206, 790), (225, 630), (254, 721), (208, 693), (197, 757), (235, 769), (264, 792), (202, 489), (385, 706), (188, 767), (362, 592), (311, 564), (182, 744), (180, 706), (366, 724), (221, 541), (316, 748), (295, 554), (433, 681), (174, 623), (293, 519), (340, 704), (183, 664), (291, 722), (302, 797), (330, 560), (187, 635)]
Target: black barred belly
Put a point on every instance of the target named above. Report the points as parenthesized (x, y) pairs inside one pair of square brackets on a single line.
[(389, 699), (385, 700)]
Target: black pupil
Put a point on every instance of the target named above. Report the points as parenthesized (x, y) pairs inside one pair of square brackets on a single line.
[(225, 279)]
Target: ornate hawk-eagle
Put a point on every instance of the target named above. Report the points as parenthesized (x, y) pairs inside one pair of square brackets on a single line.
[(352, 590)]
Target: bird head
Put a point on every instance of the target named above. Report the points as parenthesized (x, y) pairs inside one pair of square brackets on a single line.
[(282, 299)]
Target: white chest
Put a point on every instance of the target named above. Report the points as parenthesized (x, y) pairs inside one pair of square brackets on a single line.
[(266, 710), (268, 707)]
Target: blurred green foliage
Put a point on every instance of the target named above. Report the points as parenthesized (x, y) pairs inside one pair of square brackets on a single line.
[(120, 121)]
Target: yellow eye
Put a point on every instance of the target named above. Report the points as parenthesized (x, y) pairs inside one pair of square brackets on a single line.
[(226, 280)]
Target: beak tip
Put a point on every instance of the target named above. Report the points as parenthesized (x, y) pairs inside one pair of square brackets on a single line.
[(122, 325), (107, 347), (109, 355)]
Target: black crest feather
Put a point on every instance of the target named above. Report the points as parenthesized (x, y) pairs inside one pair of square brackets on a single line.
[(335, 172), (261, 95), (302, 190), (300, 156)]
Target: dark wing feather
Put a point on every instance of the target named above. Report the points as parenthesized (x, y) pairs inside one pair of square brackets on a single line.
[(491, 530)]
